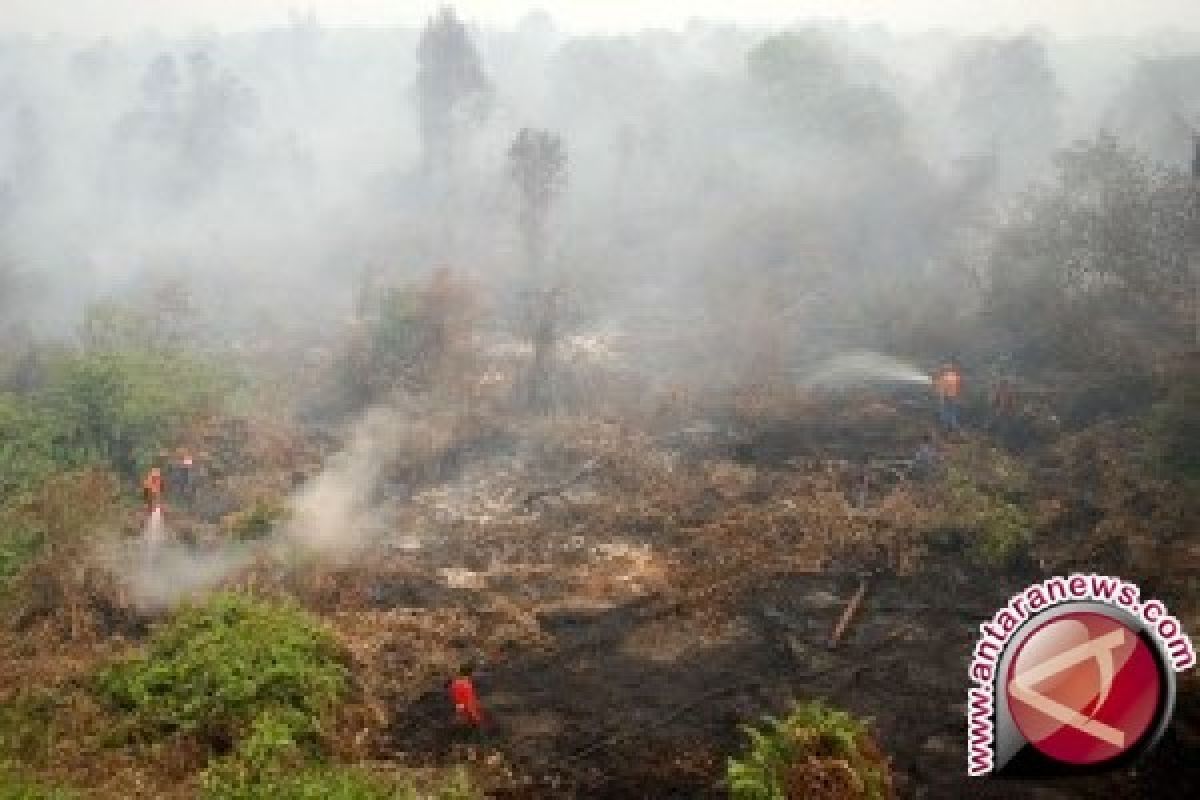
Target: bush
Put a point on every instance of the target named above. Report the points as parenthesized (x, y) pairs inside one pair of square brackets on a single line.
[(27, 453), (218, 669), (20, 542), (271, 763), (109, 409), (55, 516), (1001, 530), (259, 520), (119, 407), (816, 751)]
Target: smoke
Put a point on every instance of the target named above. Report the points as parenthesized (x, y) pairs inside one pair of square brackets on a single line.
[(332, 514), (332, 517), (282, 163), (862, 368), (159, 575), (159, 572), (154, 533), (737, 199)]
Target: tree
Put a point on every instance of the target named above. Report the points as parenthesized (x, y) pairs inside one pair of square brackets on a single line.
[(417, 338), (1158, 108), (196, 121), (538, 166), (817, 91), (1094, 269), (1005, 101), (220, 110), (451, 88)]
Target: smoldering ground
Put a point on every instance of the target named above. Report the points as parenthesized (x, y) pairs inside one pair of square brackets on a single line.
[(333, 516)]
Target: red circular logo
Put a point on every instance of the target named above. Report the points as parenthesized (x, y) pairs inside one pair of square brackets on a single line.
[(1083, 688)]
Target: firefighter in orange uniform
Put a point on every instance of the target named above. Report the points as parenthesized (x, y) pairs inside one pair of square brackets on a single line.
[(152, 489), (948, 384)]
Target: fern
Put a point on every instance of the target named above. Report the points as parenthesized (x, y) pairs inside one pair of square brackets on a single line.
[(811, 733)]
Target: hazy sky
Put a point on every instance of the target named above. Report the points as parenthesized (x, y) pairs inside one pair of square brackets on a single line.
[(1078, 17)]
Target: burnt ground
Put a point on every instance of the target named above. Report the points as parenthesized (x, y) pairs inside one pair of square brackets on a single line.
[(634, 599), (643, 700), (639, 694)]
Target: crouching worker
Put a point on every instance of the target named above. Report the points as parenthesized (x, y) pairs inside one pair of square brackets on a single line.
[(465, 700)]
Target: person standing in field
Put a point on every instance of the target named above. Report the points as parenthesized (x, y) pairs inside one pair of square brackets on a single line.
[(152, 489), (948, 385)]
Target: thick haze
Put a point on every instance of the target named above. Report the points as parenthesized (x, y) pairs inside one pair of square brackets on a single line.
[(270, 160), (1070, 17)]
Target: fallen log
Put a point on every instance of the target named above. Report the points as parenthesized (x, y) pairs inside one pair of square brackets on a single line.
[(848, 615), (559, 488)]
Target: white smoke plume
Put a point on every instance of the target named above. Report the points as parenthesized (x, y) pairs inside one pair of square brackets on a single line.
[(332, 514)]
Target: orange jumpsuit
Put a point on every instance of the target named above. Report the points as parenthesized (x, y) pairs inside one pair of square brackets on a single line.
[(152, 489)]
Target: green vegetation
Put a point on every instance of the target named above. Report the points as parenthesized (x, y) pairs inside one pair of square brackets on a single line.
[(228, 667), (1001, 529), (52, 516), (106, 408), (19, 544), (258, 520), (118, 408), (27, 445), (270, 763), (256, 681), (96, 409), (814, 745)]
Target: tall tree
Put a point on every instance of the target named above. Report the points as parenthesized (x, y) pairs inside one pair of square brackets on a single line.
[(1005, 101), (538, 166), (819, 92), (1158, 108), (451, 88), (1094, 269)]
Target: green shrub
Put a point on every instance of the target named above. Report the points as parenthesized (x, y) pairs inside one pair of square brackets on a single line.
[(109, 409), (216, 669), (271, 763), (119, 407), (259, 520), (57, 514), (27, 450), (20, 542), (1001, 529), (814, 745)]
